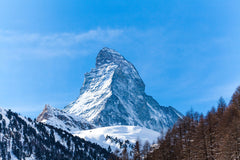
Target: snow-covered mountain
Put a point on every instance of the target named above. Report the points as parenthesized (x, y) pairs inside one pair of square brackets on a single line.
[(113, 93), (23, 138), (60, 119), (115, 137)]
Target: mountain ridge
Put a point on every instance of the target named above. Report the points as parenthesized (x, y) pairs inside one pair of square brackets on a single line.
[(60, 119), (23, 138)]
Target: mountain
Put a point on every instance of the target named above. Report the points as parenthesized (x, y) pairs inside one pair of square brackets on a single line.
[(113, 93), (60, 119), (112, 137), (23, 138)]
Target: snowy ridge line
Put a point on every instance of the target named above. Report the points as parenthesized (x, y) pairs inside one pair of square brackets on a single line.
[(60, 119)]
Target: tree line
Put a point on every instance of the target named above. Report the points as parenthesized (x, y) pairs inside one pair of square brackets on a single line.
[(215, 136)]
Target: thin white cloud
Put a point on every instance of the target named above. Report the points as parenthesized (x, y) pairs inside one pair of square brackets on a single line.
[(16, 43)]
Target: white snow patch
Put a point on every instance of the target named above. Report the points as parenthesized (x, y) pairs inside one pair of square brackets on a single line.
[(131, 133)]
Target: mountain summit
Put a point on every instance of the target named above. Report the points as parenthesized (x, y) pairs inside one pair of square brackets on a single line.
[(113, 93), (107, 56)]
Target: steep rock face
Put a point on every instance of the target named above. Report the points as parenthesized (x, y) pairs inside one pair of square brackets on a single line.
[(63, 120), (113, 93)]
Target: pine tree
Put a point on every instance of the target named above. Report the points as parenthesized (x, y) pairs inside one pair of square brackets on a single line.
[(125, 154), (221, 107), (201, 140), (136, 151), (146, 148), (109, 149)]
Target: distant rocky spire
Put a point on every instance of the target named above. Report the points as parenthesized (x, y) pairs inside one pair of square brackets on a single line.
[(46, 113)]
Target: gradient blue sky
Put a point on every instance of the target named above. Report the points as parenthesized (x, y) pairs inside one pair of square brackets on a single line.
[(187, 52)]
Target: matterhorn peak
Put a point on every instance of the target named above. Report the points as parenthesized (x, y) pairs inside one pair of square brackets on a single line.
[(107, 56), (114, 94)]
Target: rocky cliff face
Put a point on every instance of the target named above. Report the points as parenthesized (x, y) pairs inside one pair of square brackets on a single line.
[(113, 93)]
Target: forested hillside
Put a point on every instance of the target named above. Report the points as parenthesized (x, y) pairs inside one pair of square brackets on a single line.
[(215, 136), (22, 138)]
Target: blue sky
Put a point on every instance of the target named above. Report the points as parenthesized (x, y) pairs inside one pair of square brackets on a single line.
[(187, 52)]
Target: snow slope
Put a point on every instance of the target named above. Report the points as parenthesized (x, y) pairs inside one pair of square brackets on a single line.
[(114, 135)]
